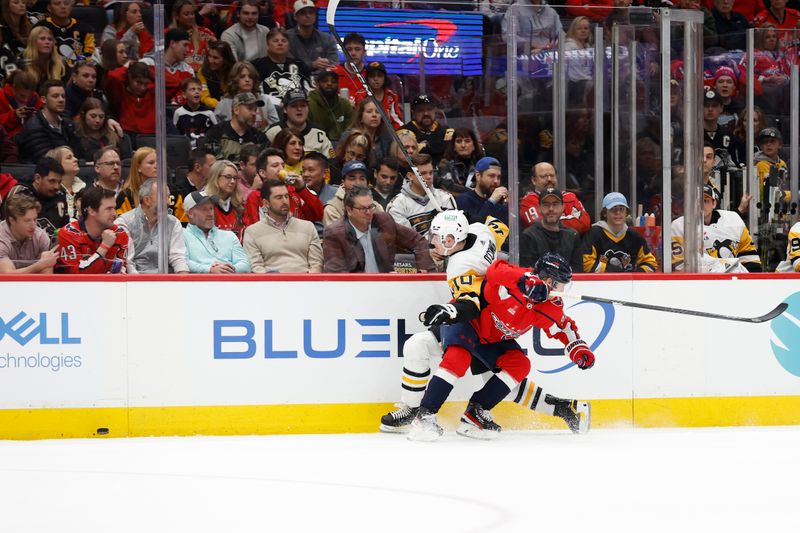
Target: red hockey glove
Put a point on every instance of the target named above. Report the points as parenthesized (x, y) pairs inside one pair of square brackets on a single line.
[(533, 288), (580, 354)]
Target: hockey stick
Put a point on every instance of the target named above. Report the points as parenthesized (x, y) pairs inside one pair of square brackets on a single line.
[(330, 18), (753, 320)]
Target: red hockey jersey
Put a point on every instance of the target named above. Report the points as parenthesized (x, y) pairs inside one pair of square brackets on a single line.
[(575, 215), (78, 252), (506, 314)]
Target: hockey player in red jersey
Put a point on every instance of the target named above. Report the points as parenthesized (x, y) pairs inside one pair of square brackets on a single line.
[(514, 300), (93, 244)]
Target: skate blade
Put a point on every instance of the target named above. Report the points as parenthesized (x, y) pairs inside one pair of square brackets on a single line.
[(394, 429), (473, 432), (585, 415)]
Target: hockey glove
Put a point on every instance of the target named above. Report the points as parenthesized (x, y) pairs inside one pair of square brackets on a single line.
[(580, 354), (533, 288), (437, 314)]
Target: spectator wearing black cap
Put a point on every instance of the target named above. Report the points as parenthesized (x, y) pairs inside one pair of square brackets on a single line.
[(176, 46), (727, 245), (431, 135), (720, 137), (378, 81), (356, 49), (768, 159), (306, 44), (225, 139), (278, 72), (549, 234), (488, 197), (326, 108), (295, 117)]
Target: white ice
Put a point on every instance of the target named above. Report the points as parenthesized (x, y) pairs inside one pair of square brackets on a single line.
[(676, 480)]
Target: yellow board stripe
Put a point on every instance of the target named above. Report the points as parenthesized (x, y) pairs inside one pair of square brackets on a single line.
[(364, 418), (410, 381)]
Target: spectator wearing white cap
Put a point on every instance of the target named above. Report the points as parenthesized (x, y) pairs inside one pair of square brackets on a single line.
[(306, 44), (208, 249), (611, 246)]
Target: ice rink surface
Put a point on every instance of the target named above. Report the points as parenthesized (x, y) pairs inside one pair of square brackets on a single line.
[(644, 480)]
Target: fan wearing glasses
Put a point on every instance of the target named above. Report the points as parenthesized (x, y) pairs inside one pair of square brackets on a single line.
[(366, 241)]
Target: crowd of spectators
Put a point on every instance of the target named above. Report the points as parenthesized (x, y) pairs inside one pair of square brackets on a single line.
[(285, 153)]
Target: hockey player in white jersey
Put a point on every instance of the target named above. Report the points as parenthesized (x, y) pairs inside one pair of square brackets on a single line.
[(412, 207), (470, 249), (792, 263), (727, 245)]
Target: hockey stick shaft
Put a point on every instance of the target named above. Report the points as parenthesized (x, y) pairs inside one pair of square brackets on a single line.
[(330, 18), (753, 320)]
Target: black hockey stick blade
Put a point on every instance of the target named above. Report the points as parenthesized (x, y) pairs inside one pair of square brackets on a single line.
[(753, 320)]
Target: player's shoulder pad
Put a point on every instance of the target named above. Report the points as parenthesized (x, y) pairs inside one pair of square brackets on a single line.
[(729, 219), (498, 229)]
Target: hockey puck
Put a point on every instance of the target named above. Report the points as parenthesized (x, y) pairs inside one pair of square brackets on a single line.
[(102, 431)]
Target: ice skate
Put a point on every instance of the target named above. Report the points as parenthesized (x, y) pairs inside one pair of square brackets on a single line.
[(577, 414), (424, 427), (477, 423), (399, 420)]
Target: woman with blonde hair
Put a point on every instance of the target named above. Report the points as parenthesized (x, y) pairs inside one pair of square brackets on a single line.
[(580, 58), (222, 182), (143, 167), (71, 184), (355, 145), (42, 58), (129, 28), (183, 16), (244, 79)]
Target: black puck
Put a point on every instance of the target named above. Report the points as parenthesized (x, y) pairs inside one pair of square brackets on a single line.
[(102, 431)]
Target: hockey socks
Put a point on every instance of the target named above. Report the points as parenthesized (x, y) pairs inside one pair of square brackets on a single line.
[(436, 394), (532, 396), (494, 391)]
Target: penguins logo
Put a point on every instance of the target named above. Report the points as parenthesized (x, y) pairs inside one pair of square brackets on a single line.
[(618, 259), (722, 249)]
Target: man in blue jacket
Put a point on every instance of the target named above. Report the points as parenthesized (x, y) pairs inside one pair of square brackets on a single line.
[(488, 198), (207, 248)]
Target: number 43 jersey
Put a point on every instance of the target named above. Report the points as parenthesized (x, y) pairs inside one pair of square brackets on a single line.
[(466, 269)]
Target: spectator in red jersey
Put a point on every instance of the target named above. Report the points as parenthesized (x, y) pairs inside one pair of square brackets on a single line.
[(176, 43), (18, 101), (129, 29), (356, 47), (596, 10), (93, 244), (303, 203), (132, 97), (223, 180), (781, 17), (183, 17), (378, 81), (544, 177)]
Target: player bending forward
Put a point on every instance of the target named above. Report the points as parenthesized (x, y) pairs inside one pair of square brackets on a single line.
[(469, 249), (515, 300)]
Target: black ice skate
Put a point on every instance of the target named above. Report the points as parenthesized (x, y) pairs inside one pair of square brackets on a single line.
[(577, 414), (399, 420), (477, 423), (425, 427)]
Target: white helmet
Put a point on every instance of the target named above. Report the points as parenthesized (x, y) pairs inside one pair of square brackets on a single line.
[(448, 228)]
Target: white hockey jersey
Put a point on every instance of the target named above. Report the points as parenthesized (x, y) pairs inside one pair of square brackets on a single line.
[(792, 262), (416, 211), (466, 269), (726, 242)]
